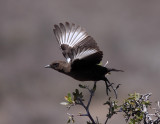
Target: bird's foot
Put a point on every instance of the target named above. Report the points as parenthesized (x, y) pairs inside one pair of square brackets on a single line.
[(109, 86)]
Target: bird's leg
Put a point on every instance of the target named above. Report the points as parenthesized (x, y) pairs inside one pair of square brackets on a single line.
[(94, 87), (107, 88), (108, 85)]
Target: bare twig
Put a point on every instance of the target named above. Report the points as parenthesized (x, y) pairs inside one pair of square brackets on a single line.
[(106, 120), (88, 104)]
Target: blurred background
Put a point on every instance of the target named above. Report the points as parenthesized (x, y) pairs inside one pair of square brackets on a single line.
[(128, 32)]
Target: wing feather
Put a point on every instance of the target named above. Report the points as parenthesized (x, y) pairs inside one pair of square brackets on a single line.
[(76, 44)]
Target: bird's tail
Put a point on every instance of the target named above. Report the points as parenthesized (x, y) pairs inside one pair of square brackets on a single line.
[(112, 69)]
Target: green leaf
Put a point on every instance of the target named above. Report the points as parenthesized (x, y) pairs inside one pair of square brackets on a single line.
[(69, 95), (68, 121), (82, 86), (77, 95), (132, 121), (69, 98)]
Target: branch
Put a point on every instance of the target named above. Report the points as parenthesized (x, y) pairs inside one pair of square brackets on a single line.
[(88, 113), (89, 101), (91, 94)]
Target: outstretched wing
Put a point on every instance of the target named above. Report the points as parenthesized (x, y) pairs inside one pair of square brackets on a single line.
[(77, 46)]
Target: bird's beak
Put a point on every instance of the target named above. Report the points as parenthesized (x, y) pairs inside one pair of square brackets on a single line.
[(47, 66)]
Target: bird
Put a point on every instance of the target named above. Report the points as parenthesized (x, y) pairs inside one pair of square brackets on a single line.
[(82, 54)]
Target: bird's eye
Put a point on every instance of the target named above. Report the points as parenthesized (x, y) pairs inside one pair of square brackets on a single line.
[(56, 64)]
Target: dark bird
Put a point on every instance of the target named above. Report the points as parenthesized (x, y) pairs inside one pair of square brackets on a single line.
[(81, 52)]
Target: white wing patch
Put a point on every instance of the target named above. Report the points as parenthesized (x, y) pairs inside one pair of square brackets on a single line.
[(84, 53), (68, 60), (69, 34)]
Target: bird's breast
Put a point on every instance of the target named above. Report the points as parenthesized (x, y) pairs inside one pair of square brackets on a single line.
[(94, 73)]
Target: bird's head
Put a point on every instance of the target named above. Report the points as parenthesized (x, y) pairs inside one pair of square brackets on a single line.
[(54, 65), (57, 65)]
